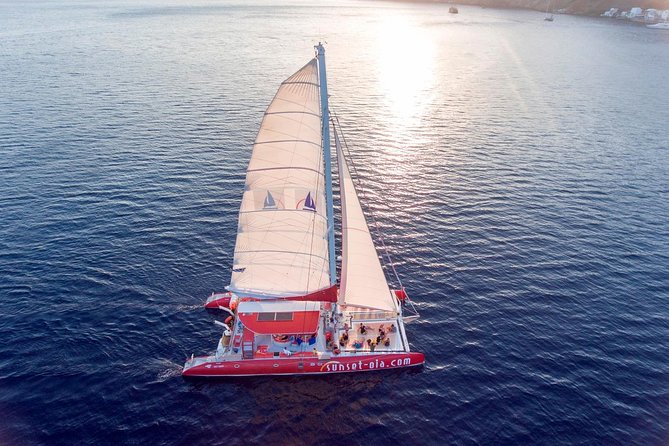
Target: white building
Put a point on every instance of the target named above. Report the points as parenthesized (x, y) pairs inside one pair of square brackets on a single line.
[(651, 16), (635, 13), (611, 12)]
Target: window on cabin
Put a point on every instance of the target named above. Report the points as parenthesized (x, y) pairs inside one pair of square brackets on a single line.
[(270, 317)]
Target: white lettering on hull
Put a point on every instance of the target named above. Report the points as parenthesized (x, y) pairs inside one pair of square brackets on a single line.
[(337, 366)]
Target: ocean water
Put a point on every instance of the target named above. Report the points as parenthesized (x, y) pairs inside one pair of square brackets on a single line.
[(519, 171)]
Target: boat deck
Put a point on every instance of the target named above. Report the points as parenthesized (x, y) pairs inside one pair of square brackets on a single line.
[(358, 342), (269, 346)]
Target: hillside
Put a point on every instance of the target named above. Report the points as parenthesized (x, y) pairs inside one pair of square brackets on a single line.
[(581, 7)]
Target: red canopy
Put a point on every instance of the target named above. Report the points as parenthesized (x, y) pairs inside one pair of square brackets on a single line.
[(279, 317)]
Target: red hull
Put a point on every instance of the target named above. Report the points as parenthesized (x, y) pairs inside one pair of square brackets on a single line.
[(306, 365), (221, 302)]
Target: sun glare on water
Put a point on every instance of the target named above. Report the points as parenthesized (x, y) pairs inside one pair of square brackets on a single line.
[(406, 70)]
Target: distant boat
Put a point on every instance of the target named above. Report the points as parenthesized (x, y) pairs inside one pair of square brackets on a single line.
[(549, 15), (453, 10), (289, 313), (661, 25)]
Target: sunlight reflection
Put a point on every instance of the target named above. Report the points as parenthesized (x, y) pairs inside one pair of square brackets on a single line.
[(406, 57)]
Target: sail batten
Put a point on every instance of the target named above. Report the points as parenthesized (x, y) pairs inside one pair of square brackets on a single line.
[(281, 247), (363, 283)]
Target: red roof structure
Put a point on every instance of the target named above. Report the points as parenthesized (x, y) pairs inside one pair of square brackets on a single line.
[(279, 317)]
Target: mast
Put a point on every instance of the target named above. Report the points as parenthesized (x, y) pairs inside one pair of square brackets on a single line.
[(325, 116)]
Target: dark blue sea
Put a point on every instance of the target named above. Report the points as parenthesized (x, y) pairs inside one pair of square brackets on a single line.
[(519, 170)]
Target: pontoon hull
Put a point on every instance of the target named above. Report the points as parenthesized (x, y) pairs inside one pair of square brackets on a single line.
[(303, 365), (218, 300)]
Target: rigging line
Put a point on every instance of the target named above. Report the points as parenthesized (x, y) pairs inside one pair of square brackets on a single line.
[(370, 211)]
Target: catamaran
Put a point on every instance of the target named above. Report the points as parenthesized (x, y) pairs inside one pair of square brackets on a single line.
[(286, 312)]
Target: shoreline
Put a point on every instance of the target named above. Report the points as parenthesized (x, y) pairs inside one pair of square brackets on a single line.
[(587, 8)]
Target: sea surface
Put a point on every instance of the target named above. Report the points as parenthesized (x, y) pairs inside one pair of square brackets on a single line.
[(518, 169)]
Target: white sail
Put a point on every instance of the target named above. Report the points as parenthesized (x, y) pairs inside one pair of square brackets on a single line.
[(363, 283), (281, 247)]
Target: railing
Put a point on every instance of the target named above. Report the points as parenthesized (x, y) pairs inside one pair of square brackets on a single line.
[(371, 315)]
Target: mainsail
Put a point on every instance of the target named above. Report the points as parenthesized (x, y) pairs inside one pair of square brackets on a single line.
[(363, 283), (282, 245)]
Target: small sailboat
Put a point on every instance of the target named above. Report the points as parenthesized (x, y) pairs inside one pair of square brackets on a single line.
[(549, 13), (286, 312)]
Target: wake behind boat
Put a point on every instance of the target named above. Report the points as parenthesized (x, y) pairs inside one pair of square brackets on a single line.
[(286, 313)]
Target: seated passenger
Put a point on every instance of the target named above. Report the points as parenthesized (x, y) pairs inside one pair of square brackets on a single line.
[(392, 329), (286, 351), (386, 342), (362, 329)]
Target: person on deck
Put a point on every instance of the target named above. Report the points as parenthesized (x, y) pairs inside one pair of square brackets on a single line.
[(287, 352), (343, 339)]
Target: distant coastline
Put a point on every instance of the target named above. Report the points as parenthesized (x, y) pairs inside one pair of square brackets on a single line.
[(578, 7)]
